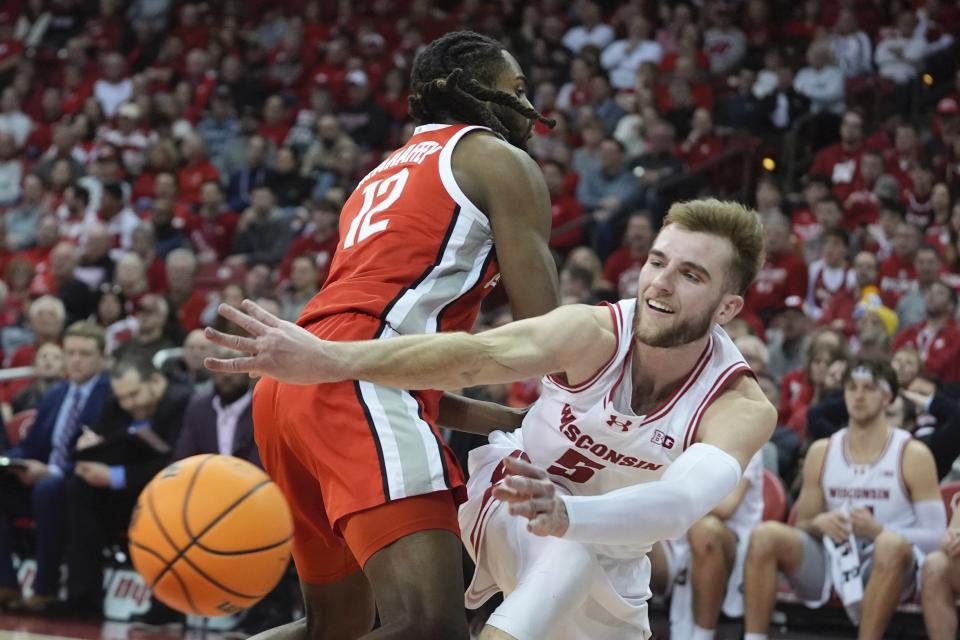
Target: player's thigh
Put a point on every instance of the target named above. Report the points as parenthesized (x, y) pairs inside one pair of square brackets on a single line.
[(784, 543), (807, 577), (411, 554), (320, 555), (910, 580)]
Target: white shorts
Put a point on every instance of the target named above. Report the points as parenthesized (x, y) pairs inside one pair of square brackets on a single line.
[(554, 589)]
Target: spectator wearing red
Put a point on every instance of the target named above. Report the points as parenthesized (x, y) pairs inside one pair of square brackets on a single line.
[(918, 197), (906, 155), (862, 206), (318, 242), (622, 268), (838, 311), (285, 63), (196, 170), (576, 92), (11, 48), (840, 161), (566, 228), (783, 275), (829, 214), (50, 114), (702, 144), (804, 226), (938, 232), (118, 217), (897, 272), (186, 301), (802, 388), (393, 95), (190, 28), (166, 186), (937, 339), (211, 228), (331, 72), (830, 273), (161, 157), (276, 120), (127, 138), (701, 93)]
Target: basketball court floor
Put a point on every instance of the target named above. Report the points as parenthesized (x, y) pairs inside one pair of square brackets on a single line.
[(32, 628)]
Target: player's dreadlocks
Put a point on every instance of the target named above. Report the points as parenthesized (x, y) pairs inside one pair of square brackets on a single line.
[(452, 77)]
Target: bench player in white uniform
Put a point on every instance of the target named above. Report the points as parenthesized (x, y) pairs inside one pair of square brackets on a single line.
[(645, 425), (869, 479), (702, 571), (941, 584)]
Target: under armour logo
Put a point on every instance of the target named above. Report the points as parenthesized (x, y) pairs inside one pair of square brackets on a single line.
[(613, 422)]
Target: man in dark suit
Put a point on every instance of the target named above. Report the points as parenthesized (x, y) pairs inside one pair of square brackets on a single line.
[(101, 494), (36, 488), (220, 421)]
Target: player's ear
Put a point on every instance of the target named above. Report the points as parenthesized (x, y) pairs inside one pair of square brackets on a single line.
[(730, 306)]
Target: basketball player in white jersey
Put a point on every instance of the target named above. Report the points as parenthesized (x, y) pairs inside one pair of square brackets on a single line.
[(647, 418), (702, 571), (870, 479), (941, 584)]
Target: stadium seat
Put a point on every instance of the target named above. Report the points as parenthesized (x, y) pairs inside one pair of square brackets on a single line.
[(19, 426), (951, 496), (774, 497)]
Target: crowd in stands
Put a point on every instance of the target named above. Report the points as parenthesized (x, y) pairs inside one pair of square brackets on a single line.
[(158, 157)]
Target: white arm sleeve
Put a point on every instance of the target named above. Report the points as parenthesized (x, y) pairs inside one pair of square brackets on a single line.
[(930, 527), (644, 513)]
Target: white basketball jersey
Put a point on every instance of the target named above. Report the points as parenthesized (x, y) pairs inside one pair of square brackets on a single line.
[(879, 486), (587, 436)]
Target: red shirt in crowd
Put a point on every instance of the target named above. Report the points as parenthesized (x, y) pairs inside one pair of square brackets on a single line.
[(309, 245), (783, 275), (842, 166), (191, 178), (566, 225), (212, 234), (896, 277), (622, 270), (840, 307), (939, 351)]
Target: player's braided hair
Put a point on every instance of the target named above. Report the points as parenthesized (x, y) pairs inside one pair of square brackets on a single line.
[(451, 79)]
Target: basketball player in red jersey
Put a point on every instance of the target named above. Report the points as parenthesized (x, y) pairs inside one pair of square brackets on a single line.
[(425, 236)]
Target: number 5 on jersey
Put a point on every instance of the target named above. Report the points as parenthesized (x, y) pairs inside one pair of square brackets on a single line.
[(363, 225)]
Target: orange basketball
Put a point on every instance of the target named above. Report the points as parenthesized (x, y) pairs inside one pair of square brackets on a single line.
[(211, 535)]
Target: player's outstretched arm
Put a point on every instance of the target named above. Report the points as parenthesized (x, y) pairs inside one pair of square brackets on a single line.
[(574, 339), (733, 429)]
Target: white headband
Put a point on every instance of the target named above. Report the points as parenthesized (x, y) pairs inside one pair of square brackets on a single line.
[(864, 374)]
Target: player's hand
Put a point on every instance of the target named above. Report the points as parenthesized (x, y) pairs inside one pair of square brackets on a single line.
[(276, 348), (95, 474), (864, 524), (834, 524), (950, 544), (529, 493), (34, 472)]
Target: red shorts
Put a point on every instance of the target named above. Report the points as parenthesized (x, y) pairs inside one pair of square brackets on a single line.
[(349, 447)]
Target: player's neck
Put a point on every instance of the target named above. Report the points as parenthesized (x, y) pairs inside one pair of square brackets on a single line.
[(865, 442), (657, 372)]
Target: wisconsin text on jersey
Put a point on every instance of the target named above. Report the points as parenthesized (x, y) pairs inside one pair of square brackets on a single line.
[(606, 453)]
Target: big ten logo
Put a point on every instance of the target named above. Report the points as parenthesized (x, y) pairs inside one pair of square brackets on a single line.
[(126, 595), (662, 439)]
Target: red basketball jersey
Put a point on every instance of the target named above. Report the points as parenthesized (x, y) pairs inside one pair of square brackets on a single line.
[(413, 251)]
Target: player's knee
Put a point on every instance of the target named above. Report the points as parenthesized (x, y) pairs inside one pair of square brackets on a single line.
[(763, 541), (935, 569), (891, 552), (707, 535)]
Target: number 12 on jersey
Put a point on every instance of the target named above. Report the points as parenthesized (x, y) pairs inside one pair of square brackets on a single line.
[(363, 226)]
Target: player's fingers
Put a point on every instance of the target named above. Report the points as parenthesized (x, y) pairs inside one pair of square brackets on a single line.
[(520, 467), (231, 365), (529, 486), (230, 341), (260, 313), (541, 525), (530, 508), (506, 494), (248, 323)]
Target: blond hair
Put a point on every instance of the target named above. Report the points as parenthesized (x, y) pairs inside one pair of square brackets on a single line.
[(730, 220), (89, 330)]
